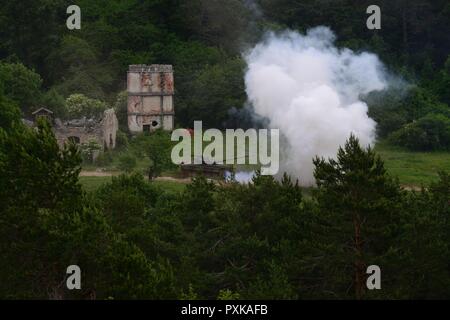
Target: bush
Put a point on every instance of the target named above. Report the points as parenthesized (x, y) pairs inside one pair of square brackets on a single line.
[(124, 201), (78, 105), (55, 102), (121, 140), (20, 84), (390, 122), (120, 107), (127, 163), (431, 132), (421, 102), (157, 146), (104, 159), (9, 113), (90, 151), (411, 137)]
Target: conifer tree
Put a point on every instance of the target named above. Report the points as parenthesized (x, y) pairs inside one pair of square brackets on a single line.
[(358, 205)]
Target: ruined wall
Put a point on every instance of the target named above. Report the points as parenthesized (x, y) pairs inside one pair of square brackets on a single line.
[(110, 125), (150, 97), (82, 134), (104, 132)]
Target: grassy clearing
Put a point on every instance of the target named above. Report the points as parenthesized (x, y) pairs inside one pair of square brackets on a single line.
[(90, 184), (142, 163), (171, 186), (413, 168)]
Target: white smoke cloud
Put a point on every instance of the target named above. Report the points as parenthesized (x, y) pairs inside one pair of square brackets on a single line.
[(311, 90)]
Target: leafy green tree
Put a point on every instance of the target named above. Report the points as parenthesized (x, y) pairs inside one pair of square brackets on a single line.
[(34, 170), (9, 113), (221, 24), (273, 286), (421, 102), (444, 82), (125, 200), (121, 109), (55, 102), (121, 140), (90, 150), (227, 295), (127, 163), (158, 148), (431, 132), (78, 105), (21, 85), (30, 30), (218, 88), (76, 67)]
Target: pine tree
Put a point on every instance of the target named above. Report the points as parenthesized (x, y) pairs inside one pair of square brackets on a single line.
[(358, 208)]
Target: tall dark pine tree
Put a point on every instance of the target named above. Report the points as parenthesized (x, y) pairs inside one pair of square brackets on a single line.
[(358, 204)]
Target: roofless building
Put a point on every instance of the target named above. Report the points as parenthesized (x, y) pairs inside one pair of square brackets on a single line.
[(150, 98)]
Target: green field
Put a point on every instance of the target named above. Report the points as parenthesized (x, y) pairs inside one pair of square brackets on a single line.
[(92, 183), (413, 168)]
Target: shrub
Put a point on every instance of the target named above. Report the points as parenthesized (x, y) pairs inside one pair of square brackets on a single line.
[(390, 122), (90, 150), (20, 84), (78, 105), (431, 132), (55, 102), (157, 146), (127, 163), (120, 107), (121, 140), (104, 159)]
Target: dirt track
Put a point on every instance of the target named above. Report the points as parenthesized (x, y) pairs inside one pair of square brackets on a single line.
[(98, 174)]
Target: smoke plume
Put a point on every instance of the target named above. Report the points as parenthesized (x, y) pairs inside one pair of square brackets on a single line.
[(311, 91)]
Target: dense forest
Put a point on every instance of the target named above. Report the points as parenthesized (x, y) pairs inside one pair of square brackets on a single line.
[(266, 240)]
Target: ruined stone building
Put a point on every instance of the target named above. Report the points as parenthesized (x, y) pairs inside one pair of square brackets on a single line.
[(150, 98), (103, 131)]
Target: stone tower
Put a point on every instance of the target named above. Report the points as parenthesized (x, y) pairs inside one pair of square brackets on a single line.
[(150, 98)]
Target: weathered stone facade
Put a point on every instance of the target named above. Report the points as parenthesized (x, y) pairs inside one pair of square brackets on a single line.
[(103, 131), (150, 98)]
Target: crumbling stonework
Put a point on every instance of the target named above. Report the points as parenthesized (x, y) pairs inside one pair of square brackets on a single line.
[(81, 131), (110, 125), (150, 98)]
